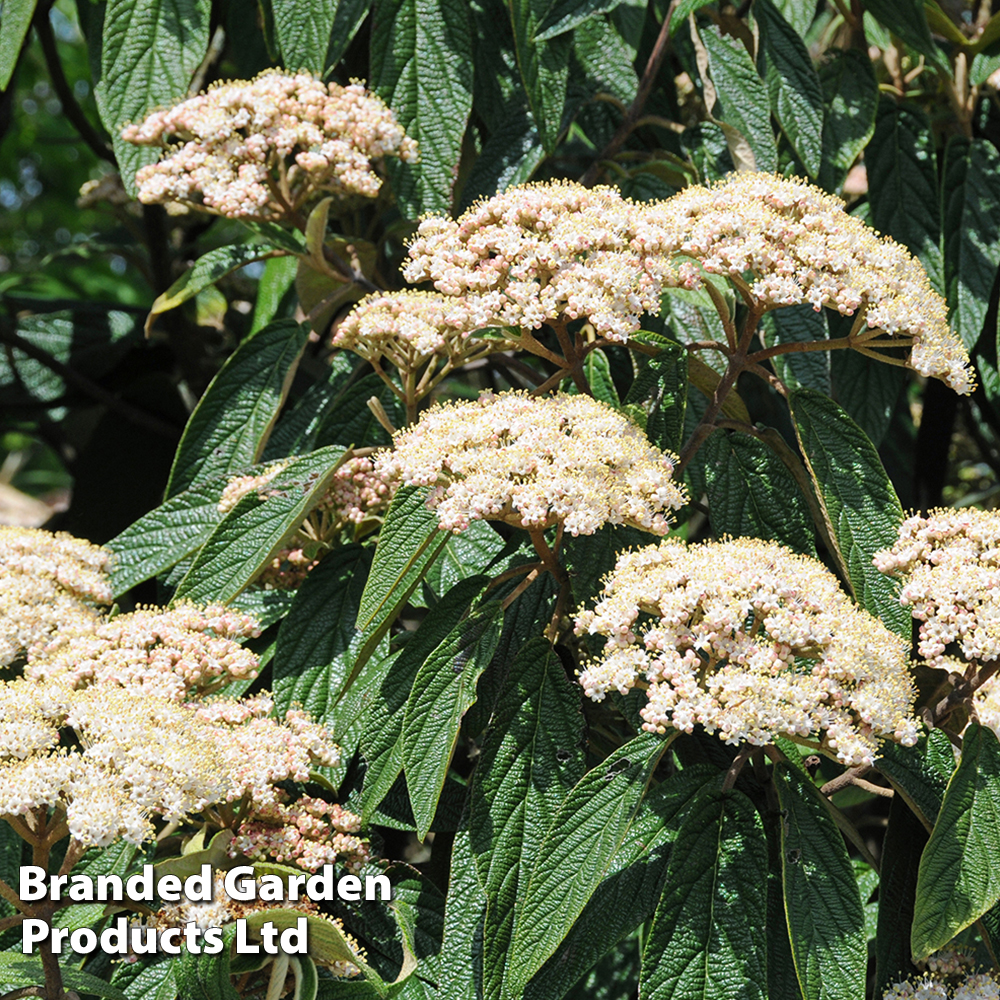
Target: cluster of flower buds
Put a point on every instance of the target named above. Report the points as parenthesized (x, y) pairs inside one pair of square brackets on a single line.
[(535, 463), (976, 986), (750, 641), (265, 148)]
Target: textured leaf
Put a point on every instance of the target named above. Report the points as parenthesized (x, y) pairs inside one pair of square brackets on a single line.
[(150, 51), (15, 21), (89, 340), (792, 85), (867, 390), (349, 420), (564, 15), (861, 505), (590, 828), (26, 970), (349, 17), (906, 19), (903, 184), (380, 741), (443, 690), (826, 921), (702, 944), (972, 232), (544, 67), (661, 389), (205, 271), (742, 98), (920, 774), (421, 65), (464, 555), (275, 290), (752, 494), (958, 880), (165, 535), (905, 838), (465, 904), (256, 528), (310, 659), (597, 370), (850, 93), (531, 758), (590, 557), (302, 29), (799, 324), (629, 894), (147, 982), (229, 427)]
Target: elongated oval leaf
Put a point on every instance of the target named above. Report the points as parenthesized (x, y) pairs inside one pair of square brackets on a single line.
[(959, 880), (792, 85), (826, 922), (862, 507), (850, 93), (702, 946), (421, 65), (229, 427), (14, 25), (577, 853), (150, 51), (249, 535), (443, 691)]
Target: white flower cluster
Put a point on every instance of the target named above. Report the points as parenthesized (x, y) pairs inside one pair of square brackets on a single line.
[(749, 640), (544, 252), (786, 242), (535, 463), (45, 579), (978, 986), (949, 562), (262, 148)]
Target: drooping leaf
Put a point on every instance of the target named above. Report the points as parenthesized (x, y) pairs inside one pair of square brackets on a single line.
[(742, 101), (751, 493), (531, 758), (826, 922), (701, 944), (229, 427), (255, 529), (588, 831), (421, 65), (543, 67), (792, 85), (972, 232), (150, 51), (903, 184), (850, 93), (205, 271), (958, 880), (862, 507), (443, 691)]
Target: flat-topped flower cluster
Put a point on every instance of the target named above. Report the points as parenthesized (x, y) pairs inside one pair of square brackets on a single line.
[(262, 148), (535, 463), (750, 641)]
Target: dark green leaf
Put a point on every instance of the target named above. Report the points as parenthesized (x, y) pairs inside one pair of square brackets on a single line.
[(303, 29), (590, 557), (349, 17), (661, 389), (531, 758), (597, 370), (464, 555), (742, 104), (850, 93), (564, 15), (903, 184), (920, 774), (349, 420), (972, 232), (792, 85), (752, 494), (683, 10), (543, 66), (229, 427), (958, 879), (800, 324), (577, 854), (701, 944), (147, 982), (867, 390), (906, 19), (629, 894), (465, 905), (826, 922), (443, 690), (26, 970), (861, 505), (256, 528), (14, 24), (151, 49), (421, 65)]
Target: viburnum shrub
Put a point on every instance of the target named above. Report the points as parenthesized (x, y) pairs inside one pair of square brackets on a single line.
[(453, 461)]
